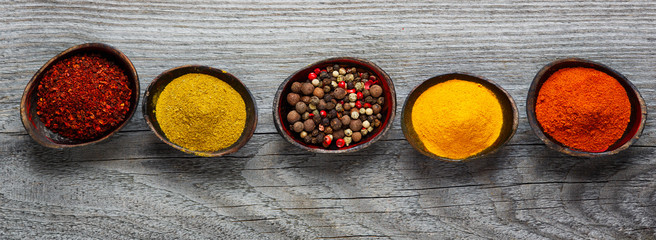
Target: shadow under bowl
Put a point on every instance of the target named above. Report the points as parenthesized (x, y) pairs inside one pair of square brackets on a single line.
[(633, 129), (160, 82), (508, 108), (36, 128), (281, 108)]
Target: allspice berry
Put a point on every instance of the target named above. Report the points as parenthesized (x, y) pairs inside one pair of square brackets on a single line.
[(301, 107), (318, 92), (339, 93), (376, 91), (293, 98), (355, 125), (296, 87), (305, 99), (357, 136), (307, 88), (308, 125), (293, 116), (322, 105), (298, 127), (346, 120)]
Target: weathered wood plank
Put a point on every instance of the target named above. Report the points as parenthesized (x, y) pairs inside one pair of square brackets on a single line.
[(134, 186)]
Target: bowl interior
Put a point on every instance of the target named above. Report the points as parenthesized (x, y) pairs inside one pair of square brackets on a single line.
[(638, 107), (33, 123), (508, 107), (281, 108), (160, 82)]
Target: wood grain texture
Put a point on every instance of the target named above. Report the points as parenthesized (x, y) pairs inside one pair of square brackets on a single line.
[(134, 186)]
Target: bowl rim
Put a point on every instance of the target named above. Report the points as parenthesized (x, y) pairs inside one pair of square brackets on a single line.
[(103, 49), (415, 93), (249, 128), (337, 60), (554, 145)]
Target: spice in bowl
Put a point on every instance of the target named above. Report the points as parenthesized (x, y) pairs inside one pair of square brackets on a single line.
[(201, 113), (583, 108), (335, 106), (83, 97), (456, 119)]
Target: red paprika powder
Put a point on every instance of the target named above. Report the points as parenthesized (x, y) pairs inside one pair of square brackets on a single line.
[(83, 97), (583, 108)]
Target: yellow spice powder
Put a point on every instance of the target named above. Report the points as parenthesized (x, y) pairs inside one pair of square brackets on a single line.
[(457, 119), (201, 113)]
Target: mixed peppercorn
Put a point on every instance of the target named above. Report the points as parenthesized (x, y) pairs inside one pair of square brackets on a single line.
[(336, 106), (83, 97)]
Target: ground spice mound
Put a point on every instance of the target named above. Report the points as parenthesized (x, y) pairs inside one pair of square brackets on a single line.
[(83, 97), (583, 108), (457, 119), (201, 113)]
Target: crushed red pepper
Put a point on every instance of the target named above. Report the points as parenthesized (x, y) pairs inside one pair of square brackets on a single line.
[(83, 97)]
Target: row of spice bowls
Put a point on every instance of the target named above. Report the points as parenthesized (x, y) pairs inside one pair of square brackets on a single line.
[(89, 92)]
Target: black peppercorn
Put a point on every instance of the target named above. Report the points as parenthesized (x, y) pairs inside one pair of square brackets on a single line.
[(376, 108), (332, 113), (336, 124), (370, 100), (325, 121), (381, 100)]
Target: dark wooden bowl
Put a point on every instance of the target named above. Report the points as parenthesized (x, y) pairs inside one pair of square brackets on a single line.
[(508, 107), (638, 108), (31, 120), (280, 107), (160, 82)]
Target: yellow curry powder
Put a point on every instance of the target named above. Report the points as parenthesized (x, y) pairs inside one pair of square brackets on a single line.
[(457, 119), (201, 113)]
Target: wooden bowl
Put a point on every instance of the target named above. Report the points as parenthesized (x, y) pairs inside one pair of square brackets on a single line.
[(638, 108), (281, 108), (508, 107), (160, 82), (31, 120)]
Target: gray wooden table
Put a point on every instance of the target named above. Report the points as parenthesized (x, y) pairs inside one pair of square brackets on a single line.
[(134, 186)]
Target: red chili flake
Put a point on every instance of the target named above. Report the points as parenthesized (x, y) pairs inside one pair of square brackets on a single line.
[(83, 97), (351, 91), (368, 84), (367, 105)]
